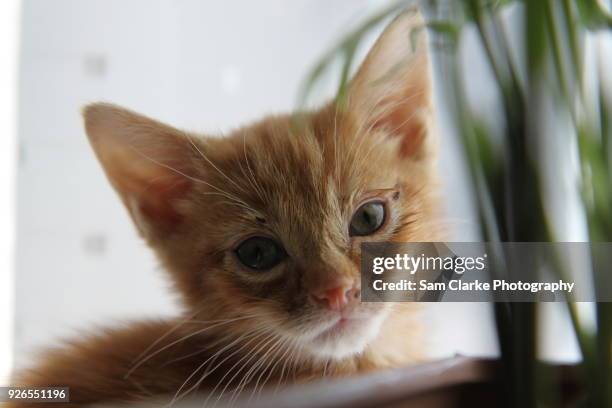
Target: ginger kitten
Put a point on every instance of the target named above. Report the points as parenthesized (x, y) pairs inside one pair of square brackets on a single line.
[(260, 232)]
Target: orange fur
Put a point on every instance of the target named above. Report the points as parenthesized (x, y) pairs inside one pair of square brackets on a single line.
[(297, 178)]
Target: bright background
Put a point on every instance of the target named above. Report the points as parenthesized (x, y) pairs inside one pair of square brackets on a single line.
[(203, 66), (9, 21)]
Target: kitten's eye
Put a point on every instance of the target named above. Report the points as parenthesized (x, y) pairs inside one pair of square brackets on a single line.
[(260, 253), (367, 219)]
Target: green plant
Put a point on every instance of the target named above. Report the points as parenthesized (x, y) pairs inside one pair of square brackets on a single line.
[(507, 179)]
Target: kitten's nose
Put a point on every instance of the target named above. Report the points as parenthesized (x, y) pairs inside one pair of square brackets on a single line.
[(338, 298)]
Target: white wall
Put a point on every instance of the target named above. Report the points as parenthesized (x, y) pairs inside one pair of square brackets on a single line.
[(9, 19), (205, 66)]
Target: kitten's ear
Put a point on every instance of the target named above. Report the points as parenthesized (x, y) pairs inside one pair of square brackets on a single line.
[(148, 163), (392, 88)]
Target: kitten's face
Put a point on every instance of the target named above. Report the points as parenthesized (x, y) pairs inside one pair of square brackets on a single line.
[(267, 222), (280, 220)]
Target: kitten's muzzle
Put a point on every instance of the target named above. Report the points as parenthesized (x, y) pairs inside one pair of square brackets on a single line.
[(338, 298)]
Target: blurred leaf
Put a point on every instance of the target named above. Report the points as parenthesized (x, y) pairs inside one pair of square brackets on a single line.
[(345, 49), (449, 29), (593, 15)]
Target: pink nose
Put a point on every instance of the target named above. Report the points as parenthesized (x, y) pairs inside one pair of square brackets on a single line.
[(337, 298)]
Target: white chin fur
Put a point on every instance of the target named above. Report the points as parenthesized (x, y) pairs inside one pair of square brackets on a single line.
[(349, 343)]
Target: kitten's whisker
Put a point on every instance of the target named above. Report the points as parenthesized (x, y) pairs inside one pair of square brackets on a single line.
[(166, 334), (243, 366), (240, 205), (181, 323), (232, 200), (252, 179), (188, 177), (258, 332), (252, 370), (203, 349), (292, 347), (279, 348), (197, 332), (286, 359), (211, 163), (178, 395), (270, 337), (254, 355), (297, 360), (273, 368), (255, 367), (266, 364)]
